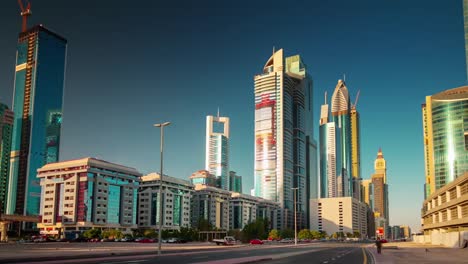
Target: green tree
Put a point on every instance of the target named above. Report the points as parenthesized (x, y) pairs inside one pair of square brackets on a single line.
[(304, 234), (274, 234), (323, 234), (112, 234), (287, 233), (92, 233), (356, 234), (315, 234), (257, 229), (349, 234), (150, 233)]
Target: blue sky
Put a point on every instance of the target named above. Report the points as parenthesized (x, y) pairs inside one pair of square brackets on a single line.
[(132, 64)]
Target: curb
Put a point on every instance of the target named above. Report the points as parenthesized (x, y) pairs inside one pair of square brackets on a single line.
[(255, 261)]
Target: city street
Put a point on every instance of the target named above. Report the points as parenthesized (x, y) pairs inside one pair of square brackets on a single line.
[(175, 254)]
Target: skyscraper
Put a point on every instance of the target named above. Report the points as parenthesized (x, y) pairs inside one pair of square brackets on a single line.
[(380, 187), (6, 128), (328, 181), (445, 128), (340, 111), (285, 150), (355, 152), (217, 149), (235, 182), (38, 92)]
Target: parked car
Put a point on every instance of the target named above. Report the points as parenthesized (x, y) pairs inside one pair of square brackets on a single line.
[(287, 240), (172, 240), (148, 240), (227, 241), (80, 239), (384, 241), (256, 242)]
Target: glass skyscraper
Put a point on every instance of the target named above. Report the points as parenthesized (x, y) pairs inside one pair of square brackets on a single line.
[(285, 150), (6, 129), (465, 16), (217, 149), (37, 106), (445, 127)]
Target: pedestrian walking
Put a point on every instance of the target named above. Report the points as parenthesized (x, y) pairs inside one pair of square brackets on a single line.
[(378, 243)]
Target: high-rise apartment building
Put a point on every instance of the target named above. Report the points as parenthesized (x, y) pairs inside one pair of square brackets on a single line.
[(6, 129), (340, 110), (285, 150), (367, 193), (380, 187), (87, 193), (328, 181), (445, 128), (355, 152), (37, 107), (217, 149)]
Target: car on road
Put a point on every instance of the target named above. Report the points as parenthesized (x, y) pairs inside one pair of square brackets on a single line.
[(227, 241), (147, 240), (256, 242), (287, 240), (384, 241)]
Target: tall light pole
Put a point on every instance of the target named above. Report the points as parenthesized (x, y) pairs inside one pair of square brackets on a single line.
[(295, 216), (162, 125)]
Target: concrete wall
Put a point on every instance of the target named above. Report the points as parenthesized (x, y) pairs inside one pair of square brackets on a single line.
[(441, 238)]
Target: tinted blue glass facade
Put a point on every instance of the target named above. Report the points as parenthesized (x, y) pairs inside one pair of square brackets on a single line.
[(39, 82)]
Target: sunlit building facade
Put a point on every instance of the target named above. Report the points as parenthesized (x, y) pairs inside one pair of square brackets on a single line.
[(340, 110), (6, 129), (445, 128), (285, 150), (217, 149), (87, 193), (203, 177), (37, 107), (328, 180), (355, 153), (176, 198)]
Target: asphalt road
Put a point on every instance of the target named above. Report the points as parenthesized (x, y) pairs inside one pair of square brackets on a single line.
[(312, 253)]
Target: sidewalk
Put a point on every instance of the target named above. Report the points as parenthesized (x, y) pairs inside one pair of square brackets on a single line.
[(408, 252)]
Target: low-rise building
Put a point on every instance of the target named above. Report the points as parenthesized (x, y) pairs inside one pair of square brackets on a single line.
[(81, 194), (340, 214), (176, 194), (445, 214), (210, 204), (245, 209), (203, 177)]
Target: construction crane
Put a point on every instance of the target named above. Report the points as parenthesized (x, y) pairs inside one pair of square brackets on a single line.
[(25, 12), (353, 106)]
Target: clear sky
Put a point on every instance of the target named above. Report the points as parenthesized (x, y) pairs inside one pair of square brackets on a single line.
[(135, 63)]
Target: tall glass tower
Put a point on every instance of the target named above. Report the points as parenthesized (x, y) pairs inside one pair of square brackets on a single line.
[(37, 106), (217, 149), (6, 128), (340, 111), (285, 149), (445, 127), (328, 181)]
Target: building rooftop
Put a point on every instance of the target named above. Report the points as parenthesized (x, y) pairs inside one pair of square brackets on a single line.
[(93, 162), (455, 94), (156, 176)]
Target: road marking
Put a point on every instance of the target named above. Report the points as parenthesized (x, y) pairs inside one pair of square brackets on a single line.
[(365, 256)]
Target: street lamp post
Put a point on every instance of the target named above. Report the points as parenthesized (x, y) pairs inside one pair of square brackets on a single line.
[(162, 125), (295, 216)]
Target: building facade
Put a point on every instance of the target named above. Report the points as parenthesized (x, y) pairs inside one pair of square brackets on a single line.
[(210, 204), (203, 177), (445, 128), (81, 194), (217, 149), (6, 129), (235, 182), (340, 110), (465, 16), (37, 107), (328, 180), (285, 149), (176, 196), (245, 209), (340, 214), (356, 152)]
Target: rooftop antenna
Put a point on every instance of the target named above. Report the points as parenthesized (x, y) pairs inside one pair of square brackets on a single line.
[(357, 98), (273, 49), (344, 77), (325, 97), (218, 111), (25, 12)]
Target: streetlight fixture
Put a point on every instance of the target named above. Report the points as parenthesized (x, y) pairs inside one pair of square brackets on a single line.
[(295, 216), (162, 125)]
